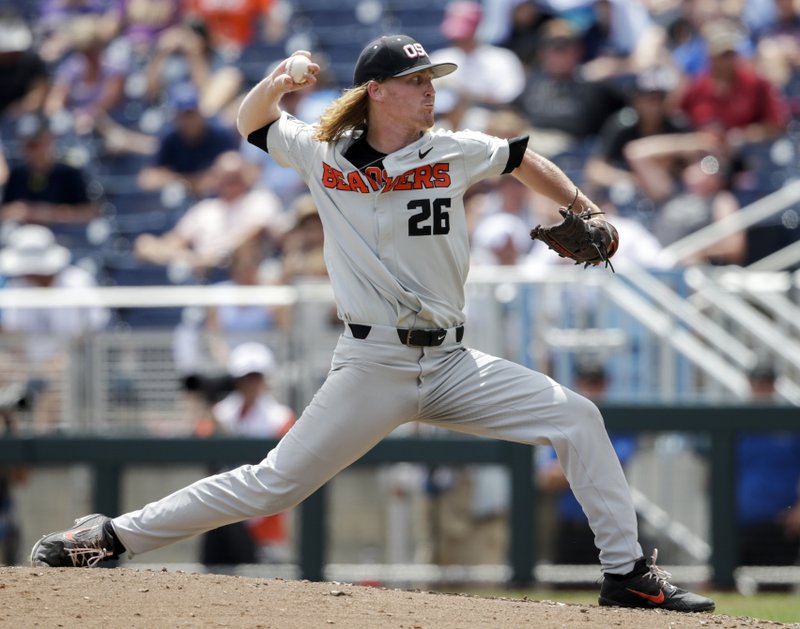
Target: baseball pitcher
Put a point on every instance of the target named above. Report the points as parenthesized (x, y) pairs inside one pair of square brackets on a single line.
[(389, 190)]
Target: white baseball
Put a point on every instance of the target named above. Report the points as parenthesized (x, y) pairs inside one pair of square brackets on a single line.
[(296, 67)]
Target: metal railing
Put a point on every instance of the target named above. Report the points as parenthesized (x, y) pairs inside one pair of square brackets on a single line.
[(764, 208), (767, 333), (659, 344)]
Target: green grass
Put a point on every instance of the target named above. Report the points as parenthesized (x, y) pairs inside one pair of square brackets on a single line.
[(777, 607)]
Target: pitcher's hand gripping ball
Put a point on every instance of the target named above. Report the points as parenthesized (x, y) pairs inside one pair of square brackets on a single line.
[(582, 237), (296, 67)]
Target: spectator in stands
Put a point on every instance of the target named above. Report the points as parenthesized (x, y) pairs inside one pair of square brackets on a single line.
[(303, 255), (755, 15), (563, 107), (43, 189), (24, 79), (574, 540), (768, 487), (189, 147), (140, 22), (778, 45), (53, 25), (731, 99), (698, 196), (621, 40), (229, 324), (213, 228), (475, 83), (500, 238), (184, 53), (303, 260), (688, 45), (3, 166), (282, 181), (234, 25), (785, 22), (649, 113), (10, 477), (250, 410), (501, 197), (467, 514), (33, 259), (90, 82), (526, 20)]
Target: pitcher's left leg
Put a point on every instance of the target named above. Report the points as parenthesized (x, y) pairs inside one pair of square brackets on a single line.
[(479, 394)]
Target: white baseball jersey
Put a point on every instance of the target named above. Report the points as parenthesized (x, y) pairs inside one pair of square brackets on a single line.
[(397, 247)]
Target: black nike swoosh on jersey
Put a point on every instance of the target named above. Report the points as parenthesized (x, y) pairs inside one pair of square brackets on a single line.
[(422, 155)]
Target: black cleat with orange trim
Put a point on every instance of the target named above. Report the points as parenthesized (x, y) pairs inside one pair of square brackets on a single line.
[(84, 545), (648, 586)]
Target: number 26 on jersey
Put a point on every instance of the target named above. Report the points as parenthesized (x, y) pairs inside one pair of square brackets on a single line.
[(430, 217)]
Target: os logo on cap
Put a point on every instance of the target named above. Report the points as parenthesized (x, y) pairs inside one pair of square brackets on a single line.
[(414, 50), (393, 56)]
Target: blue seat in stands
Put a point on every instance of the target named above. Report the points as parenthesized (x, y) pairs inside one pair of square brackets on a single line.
[(125, 270), (128, 271), (256, 58), (135, 202)]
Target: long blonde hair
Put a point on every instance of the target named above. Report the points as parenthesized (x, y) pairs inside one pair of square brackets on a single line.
[(347, 112)]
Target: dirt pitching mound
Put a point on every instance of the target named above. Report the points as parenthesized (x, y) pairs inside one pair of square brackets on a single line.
[(110, 598)]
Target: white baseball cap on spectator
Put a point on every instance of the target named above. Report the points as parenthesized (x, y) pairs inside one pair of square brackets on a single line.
[(722, 36), (15, 36), (656, 79), (33, 250), (250, 358), (493, 231)]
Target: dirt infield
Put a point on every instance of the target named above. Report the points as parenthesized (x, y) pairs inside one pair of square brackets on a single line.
[(58, 597)]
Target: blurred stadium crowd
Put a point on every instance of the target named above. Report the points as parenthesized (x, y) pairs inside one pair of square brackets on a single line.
[(117, 124)]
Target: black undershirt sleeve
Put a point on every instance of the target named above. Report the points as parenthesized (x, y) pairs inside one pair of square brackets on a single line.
[(516, 151), (259, 136)]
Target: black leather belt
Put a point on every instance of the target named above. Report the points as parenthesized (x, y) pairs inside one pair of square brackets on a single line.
[(417, 338)]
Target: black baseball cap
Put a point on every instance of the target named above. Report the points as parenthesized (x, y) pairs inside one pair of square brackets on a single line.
[(590, 368), (761, 372), (395, 55)]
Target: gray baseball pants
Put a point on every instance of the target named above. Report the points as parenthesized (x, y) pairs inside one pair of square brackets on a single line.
[(375, 385)]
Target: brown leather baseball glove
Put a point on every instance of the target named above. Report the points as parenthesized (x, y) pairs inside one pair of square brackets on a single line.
[(582, 237)]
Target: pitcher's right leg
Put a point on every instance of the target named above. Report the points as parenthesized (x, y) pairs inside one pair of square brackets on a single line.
[(363, 400), (347, 417)]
